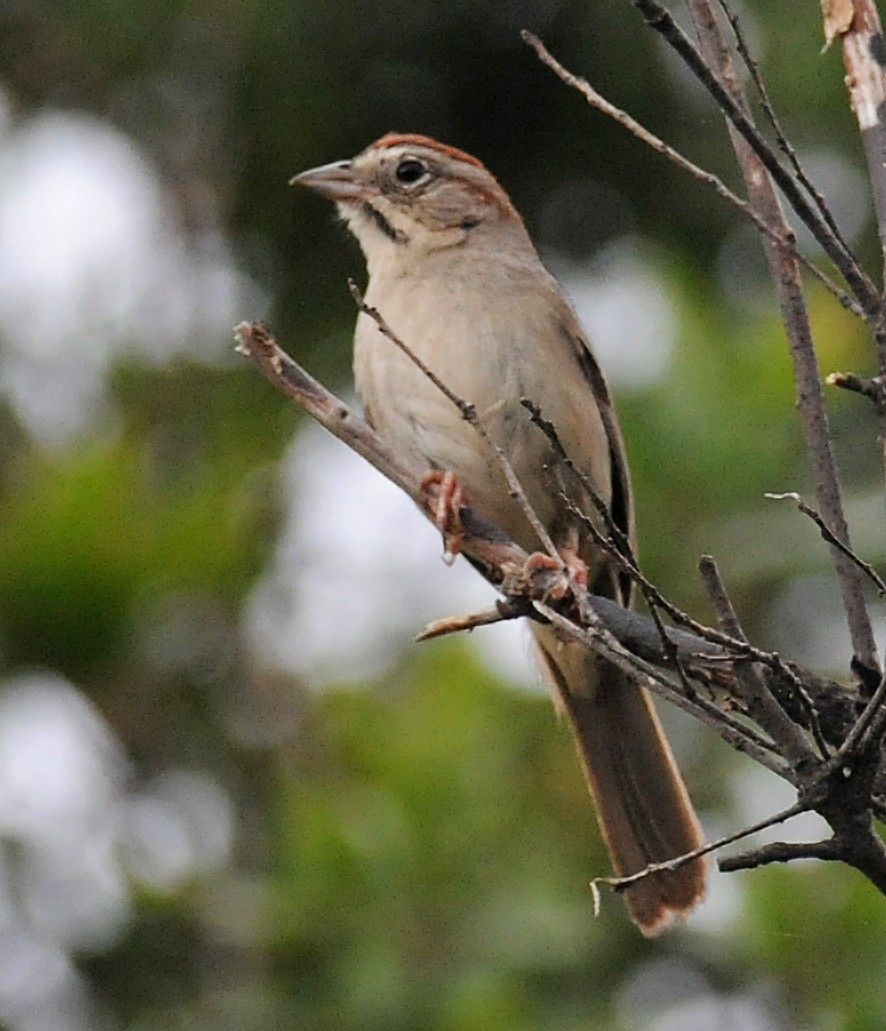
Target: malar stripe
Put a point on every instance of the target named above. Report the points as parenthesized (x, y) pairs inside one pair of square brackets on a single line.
[(396, 235)]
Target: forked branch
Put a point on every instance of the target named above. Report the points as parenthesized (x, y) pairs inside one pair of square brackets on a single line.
[(771, 710), (712, 63), (629, 640)]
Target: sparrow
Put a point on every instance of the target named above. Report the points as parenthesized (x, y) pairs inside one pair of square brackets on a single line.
[(454, 273)]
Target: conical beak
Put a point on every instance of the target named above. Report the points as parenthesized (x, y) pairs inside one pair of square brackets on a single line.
[(339, 181)]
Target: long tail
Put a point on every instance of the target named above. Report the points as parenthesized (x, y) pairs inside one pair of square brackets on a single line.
[(642, 806)]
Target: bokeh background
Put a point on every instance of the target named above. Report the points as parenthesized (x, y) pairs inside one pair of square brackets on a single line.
[(233, 794)]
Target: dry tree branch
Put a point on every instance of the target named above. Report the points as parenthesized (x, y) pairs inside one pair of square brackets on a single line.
[(857, 24), (784, 143), (504, 563), (828, 535), (856, 384), (783, 260), (619, 884), (709, 72), (617, 634), (781, 852), (761, 703), (789, 287), (605, 106)]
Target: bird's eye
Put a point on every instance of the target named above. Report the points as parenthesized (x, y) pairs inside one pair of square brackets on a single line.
[(410, 170)]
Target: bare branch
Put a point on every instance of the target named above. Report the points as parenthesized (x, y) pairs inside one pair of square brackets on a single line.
[(708, 69), (755, 161), (739, 735), (784, 143), (514, 608), (828, 535), (599, 102), (761, 703), (619, 884), (624, 637), (502, 561), (706, 653), (850, 381), (861, 37), (782, 852)]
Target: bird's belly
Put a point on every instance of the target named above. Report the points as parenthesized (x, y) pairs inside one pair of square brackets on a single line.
[(414, 415)]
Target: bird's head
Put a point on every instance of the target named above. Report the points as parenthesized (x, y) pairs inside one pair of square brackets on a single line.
[(412, 193)]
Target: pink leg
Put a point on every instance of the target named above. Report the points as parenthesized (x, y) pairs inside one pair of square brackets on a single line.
[(574, 571), (450, 499)]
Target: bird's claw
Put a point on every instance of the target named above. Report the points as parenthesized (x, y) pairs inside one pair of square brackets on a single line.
[(571, 573), (450, 500)]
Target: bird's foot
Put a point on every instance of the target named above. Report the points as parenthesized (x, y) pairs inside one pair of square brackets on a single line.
[(450, 499), (573, 573)]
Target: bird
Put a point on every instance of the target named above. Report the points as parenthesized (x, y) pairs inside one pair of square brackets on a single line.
[(454, 273)]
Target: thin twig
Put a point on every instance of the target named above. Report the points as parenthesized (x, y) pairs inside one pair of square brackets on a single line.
[(828, 535), (783, 142), (785, 238), (782, 852), (619, 884), (756, 159), (735, 733), (857, 384), (709, 75), (762, 705), (859, 737), (861, 39), (505, 610)]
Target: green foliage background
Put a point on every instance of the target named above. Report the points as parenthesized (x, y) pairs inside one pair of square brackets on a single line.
[(413, 854)]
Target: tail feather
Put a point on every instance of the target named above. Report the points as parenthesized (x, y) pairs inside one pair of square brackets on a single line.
[(642, 805)]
